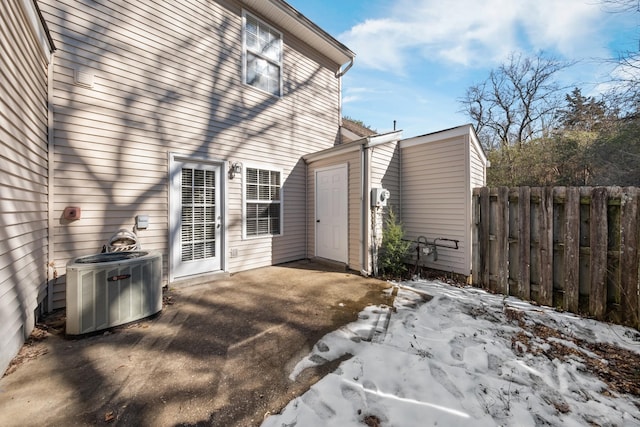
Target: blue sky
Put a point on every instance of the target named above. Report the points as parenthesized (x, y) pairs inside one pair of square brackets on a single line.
[(416, 58)]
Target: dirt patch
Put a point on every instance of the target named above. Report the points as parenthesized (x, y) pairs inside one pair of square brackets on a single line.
[(372, 421)]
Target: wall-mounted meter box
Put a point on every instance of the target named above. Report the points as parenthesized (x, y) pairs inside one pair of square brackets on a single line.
[(142, 222), (379, 197)]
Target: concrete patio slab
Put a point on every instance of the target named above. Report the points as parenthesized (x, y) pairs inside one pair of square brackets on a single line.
[(219, 354)]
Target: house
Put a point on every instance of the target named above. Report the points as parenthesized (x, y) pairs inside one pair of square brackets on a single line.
[(152, 106), (430, 179), (211, 130), (194, 115)]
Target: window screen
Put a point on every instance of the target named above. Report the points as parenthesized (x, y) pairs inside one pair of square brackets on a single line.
[(263, 208)]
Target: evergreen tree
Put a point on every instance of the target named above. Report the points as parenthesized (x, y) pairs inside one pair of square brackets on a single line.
[(393, 251), (582, 113)]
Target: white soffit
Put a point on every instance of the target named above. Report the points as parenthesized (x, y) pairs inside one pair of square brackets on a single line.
[(287, 18)]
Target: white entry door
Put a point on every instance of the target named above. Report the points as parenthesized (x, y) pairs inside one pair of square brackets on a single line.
[(195, 218), (332, 232)]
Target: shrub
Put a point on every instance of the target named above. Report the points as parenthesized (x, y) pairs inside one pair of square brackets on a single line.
[(393, 250)]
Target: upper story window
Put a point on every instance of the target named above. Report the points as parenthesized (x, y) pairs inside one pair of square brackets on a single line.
[(262, 55)]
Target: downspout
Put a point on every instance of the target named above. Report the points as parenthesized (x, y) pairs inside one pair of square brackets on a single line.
[(364, 217), (363, 222), (400, 176), (52, 272), (373, 227), (341, 72), (306, 210), (339, 110)]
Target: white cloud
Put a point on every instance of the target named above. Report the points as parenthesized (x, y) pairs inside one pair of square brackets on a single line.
[(473, 33), (621, 79), (350, 99)]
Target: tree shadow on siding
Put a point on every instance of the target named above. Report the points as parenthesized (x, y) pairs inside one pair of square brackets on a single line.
[(152, 96)]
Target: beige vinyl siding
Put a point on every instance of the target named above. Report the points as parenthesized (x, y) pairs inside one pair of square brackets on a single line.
[(476, 167), (168, 80), (24, 164), (434, 192), (385, 171), (352, 159)]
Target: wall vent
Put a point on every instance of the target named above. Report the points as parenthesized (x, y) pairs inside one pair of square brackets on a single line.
[(84, 77)]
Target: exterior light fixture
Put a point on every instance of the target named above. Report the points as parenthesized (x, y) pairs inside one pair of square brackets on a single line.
[(234, 168)]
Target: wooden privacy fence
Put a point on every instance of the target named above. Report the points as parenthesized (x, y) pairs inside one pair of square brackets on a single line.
[(574, 248)]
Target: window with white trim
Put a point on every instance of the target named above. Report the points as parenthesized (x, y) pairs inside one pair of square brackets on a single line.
[(263, 202), (262, 55)]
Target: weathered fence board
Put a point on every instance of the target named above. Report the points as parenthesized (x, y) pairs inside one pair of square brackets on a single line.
[(502, 240), (524, 235), (485, 243), (574, 248), (545, 246), (598, 252), (571, 250), (629, 256)]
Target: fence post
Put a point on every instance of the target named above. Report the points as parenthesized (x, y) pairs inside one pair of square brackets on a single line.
[(524, 239), (598, 250), (629, 257), (502, 241), (572, 250)]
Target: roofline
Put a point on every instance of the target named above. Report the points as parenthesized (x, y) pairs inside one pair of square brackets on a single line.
[(366, 142), (462, 130), (280, 12)]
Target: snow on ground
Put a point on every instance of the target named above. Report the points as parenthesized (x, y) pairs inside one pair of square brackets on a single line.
[(467, 357)]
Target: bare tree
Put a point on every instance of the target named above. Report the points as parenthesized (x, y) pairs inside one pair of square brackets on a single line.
[(625, 81), (621, 5), (517, 102)]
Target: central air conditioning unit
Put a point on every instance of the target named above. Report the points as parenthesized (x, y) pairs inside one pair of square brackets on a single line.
[(111, 289)]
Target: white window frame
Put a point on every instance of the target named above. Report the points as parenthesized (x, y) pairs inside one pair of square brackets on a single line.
[(246, 50), (245, 200)]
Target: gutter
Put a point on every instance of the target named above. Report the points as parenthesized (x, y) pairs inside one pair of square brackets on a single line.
[(342, 71), (284, 16), (367, 141)]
